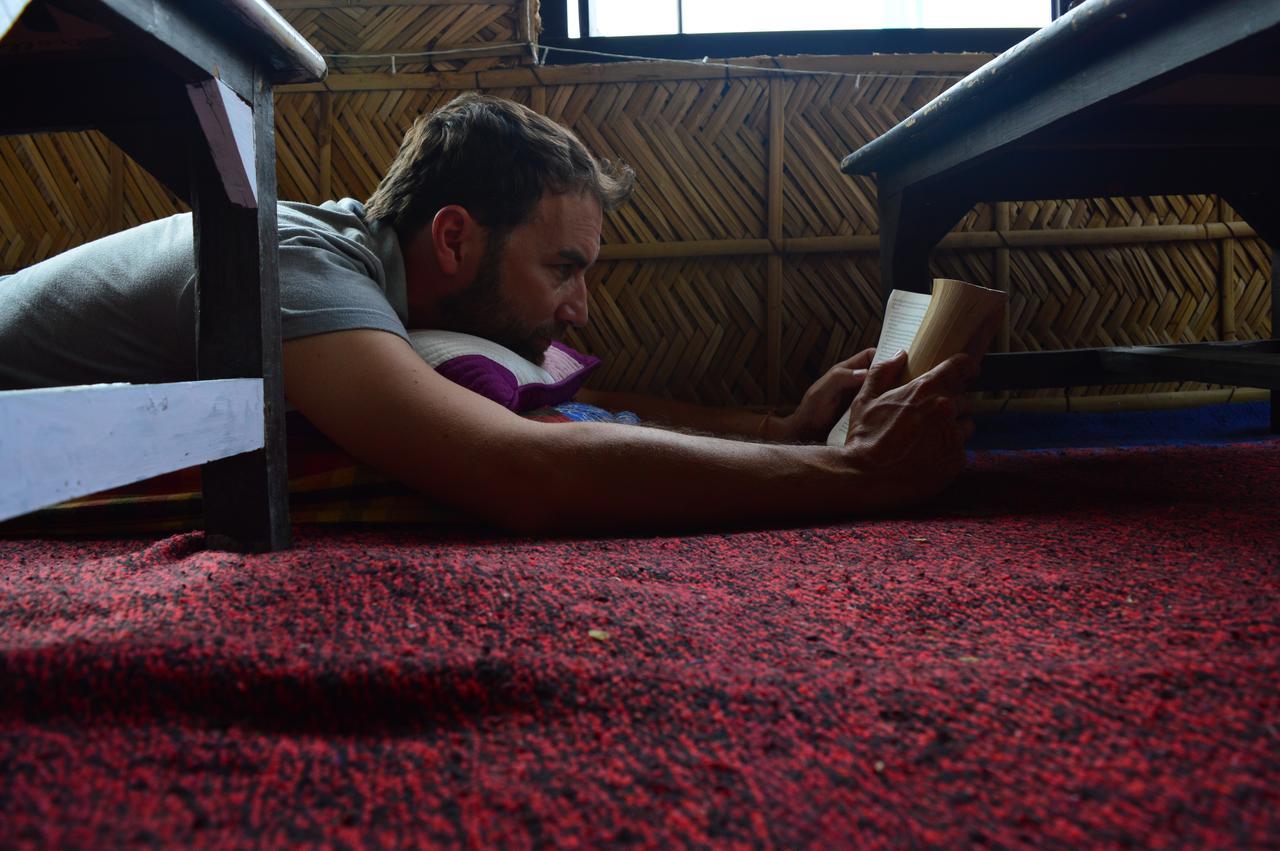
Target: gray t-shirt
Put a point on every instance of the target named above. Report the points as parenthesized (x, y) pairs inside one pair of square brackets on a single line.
[(122, 308)]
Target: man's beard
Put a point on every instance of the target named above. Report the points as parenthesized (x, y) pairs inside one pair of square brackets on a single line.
[(482, 310)]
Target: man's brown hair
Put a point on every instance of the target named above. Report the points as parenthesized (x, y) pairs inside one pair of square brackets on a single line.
[(493, 157)]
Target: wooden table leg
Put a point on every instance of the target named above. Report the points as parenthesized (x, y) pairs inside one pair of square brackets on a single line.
[(910, 226), (238, 320)]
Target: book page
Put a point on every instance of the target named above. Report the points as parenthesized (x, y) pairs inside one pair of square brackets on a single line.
[(903, 314)]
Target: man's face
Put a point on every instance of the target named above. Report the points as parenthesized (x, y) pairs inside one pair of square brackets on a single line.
[(531, 287)]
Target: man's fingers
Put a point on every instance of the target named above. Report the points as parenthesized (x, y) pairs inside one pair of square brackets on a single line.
[(885, 375), (861, 360), (951, 375), (967, 428), (850, 379)]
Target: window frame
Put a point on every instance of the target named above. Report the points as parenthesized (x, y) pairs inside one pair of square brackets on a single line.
[(555, 33)]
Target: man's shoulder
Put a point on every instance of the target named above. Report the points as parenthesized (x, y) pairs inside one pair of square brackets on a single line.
[(340, 214)]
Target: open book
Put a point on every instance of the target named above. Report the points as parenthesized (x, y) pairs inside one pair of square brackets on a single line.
[(931, 328)]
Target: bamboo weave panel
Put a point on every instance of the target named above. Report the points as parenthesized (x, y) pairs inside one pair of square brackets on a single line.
[(826, 118), (374, 29), (56, 192), (692, 330)]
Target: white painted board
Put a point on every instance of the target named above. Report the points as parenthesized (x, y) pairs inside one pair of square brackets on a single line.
[(10, 11), (64, 442)]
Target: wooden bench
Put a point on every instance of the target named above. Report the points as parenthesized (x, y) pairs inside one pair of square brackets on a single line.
[(185, 88), (1117, 97)]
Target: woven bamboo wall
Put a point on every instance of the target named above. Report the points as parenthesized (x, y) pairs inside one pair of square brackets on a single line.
[(746, 263)]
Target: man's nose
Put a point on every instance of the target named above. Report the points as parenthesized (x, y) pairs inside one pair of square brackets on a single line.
[(573, 309)]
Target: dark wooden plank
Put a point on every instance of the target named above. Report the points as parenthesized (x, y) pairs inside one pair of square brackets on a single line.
[(1026, 370), (1212, 365), (1254, 363), (238, 318)]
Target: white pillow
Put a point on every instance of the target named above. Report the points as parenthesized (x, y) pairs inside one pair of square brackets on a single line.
[(497, 373)]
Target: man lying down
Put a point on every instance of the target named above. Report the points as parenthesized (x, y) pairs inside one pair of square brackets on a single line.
[(486, 224)]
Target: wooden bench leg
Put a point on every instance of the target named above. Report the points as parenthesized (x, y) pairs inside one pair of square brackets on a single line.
[(238, 319)]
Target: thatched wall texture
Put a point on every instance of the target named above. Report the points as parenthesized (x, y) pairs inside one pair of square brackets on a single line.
[(746, 263)]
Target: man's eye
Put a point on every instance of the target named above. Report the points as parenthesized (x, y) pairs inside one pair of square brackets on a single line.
[(565, 270)]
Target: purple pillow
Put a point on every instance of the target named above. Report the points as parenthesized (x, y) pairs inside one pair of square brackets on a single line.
[(500, 374)]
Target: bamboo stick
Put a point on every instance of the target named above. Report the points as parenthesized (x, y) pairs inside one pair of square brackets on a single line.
[(324, 140), (641, 72), (1013, 239), (777, 146), (1124, 402), (773, 304), (686, 248), (524, 27), (1151, 401), (115, 195), (1002, 282), (1069, 237), (831, 244), (408, 56), (1226, 280)]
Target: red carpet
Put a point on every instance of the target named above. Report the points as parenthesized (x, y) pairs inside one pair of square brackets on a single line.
[(1075, 649)]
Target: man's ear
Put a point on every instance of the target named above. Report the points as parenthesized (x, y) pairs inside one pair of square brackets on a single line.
[(453, 233)]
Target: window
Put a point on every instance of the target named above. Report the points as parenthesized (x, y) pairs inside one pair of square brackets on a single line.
[(614, 18), (597, 30)]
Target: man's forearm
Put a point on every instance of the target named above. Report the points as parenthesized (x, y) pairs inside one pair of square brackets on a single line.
[(729, 422), (594, 477)]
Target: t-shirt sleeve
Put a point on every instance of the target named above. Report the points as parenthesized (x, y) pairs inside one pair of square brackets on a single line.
[(327, 284)]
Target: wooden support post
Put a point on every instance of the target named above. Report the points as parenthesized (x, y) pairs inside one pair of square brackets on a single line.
[(238, 329), (324, 141), (773, 301), (1002, 281), (1256, 202), (524, 21), (538, 99), (116, 164), (1226, 280), (1275, 333)]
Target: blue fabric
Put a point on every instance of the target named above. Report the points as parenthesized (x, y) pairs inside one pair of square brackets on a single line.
[(1225, 423), (583, 413)]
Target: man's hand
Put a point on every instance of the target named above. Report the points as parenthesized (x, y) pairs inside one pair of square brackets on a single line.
[(824, 402), (913, 435)]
